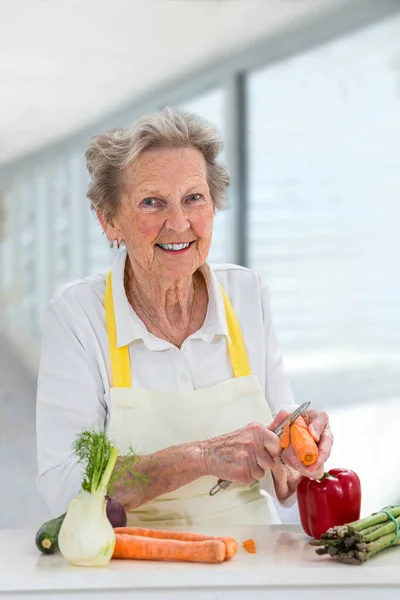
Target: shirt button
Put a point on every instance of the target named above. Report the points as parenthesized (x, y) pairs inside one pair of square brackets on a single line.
[(183, 378)]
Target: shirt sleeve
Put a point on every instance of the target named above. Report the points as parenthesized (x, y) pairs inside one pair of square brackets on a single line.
[(278, 391), (70, 399)]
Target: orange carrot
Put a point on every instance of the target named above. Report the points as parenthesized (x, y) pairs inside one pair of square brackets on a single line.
[(249, 546), (285, 437), (303, 443), (230, 543), (138, 547)]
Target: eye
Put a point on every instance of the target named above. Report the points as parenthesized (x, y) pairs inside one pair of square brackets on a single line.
[(150, 202), (194, 197)]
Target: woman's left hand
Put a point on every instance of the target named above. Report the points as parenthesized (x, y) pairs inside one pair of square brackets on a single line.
[(319, 428)]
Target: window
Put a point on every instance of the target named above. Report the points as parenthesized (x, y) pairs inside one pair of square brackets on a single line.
[(99, 255), (61, 223), (210, 106), (26, 314), (324, 215)]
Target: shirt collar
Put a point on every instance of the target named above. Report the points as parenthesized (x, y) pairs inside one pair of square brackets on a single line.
[(131, 329)]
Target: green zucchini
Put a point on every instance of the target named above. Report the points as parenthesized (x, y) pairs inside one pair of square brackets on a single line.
[(47, 536)]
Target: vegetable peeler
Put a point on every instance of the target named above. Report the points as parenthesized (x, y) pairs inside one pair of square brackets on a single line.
[(223, 484)]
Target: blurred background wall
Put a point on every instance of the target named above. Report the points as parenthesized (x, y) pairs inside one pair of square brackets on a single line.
[(306, 94)]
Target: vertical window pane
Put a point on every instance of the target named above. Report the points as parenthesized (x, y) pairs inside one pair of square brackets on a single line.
[(324, 133), (210, 106), (99, 254), (61, 222)]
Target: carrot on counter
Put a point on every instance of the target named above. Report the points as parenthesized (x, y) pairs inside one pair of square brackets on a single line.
[(250, 546), (185, 536), (285, 437), (137, 547), (303, 443)]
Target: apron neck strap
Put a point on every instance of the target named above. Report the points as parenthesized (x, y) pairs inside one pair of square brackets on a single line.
[(236, 346), (120, 363)]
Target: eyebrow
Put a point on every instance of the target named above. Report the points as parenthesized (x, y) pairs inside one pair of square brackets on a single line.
[(152, 193)]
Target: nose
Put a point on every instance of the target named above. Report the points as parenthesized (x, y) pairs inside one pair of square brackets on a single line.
[(177, 219)]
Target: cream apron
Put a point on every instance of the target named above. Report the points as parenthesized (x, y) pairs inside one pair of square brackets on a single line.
[(151, 420)]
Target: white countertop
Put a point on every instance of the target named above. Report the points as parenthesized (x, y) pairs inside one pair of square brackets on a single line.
[(284, 559)]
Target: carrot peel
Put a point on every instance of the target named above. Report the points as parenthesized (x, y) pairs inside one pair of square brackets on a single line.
[(285, 437), (250, 546)]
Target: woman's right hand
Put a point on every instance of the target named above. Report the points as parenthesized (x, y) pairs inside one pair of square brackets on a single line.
[(243, 455)]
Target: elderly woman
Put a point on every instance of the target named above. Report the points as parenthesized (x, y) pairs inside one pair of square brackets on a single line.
[(173, 356)]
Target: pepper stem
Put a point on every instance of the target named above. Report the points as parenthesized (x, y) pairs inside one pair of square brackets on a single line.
[(326, 476)]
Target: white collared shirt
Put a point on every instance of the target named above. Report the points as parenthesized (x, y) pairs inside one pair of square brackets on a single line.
[(75, 370)]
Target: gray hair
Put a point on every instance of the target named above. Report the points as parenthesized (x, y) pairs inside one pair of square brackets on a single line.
[(108, 155)]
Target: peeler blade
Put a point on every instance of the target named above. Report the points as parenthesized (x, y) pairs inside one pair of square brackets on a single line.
[(292, 417), (223, 484)]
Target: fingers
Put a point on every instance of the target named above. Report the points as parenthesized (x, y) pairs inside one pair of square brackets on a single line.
[(280, 417), (258, 468), (266, 448), (243, 455), (250, 469), (265, 461), (271, 443), (319, 428), (262, 438), (317, 422), (324, 447), (318, 425), (291, 459), (315, 471), (266, 445)]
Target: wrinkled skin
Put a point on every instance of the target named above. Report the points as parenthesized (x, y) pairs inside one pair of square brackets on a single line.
[(165, 200), (246, 454)]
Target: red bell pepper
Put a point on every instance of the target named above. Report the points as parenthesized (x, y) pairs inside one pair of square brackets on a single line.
[(335, 499)]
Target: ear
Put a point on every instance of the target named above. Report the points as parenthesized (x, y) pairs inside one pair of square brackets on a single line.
[(107, 226)]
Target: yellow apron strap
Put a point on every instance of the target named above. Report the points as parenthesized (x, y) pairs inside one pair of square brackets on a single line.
[(236, 346), (120, 364)]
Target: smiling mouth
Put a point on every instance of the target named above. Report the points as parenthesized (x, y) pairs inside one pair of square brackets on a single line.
[(175, 247)]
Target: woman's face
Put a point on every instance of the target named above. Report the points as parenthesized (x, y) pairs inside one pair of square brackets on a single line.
[(166, 212)]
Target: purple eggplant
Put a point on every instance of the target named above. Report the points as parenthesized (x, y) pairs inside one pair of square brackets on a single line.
[(115, 512)]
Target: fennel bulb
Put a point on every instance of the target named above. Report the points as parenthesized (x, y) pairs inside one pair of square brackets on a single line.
[(86, 536)]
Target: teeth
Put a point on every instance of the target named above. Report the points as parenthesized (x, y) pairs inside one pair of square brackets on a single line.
[(173, 246)]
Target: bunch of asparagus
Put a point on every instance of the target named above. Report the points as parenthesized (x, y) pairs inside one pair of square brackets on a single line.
[(355, 543)]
